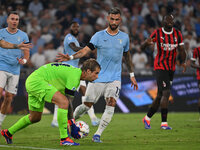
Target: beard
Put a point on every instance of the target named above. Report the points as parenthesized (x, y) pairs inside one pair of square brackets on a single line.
[(74, 34), (113, 28), (168, 27)]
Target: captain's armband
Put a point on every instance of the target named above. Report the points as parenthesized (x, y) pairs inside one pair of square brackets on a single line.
[(91, 46)]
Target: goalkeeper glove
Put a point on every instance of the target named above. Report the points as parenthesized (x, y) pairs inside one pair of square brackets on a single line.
[(74, 129)]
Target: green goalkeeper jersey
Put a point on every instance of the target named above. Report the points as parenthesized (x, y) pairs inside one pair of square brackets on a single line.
[(59, 75)]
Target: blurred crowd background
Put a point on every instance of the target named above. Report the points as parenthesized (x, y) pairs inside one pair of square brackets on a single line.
[(47, 22)]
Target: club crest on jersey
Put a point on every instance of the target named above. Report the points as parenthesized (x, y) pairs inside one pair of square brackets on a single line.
[(70, 38), (73, 89), (120, 41), (18, 38)]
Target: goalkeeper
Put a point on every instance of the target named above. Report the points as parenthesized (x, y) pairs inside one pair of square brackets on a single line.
[(51, 83)]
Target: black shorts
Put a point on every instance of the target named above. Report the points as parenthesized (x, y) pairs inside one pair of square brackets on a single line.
[(199, 84), (164, 79)]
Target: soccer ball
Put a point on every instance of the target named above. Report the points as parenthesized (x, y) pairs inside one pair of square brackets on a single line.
[(84, 128)]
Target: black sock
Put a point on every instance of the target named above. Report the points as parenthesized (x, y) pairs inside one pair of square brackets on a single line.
[(199, 109), (8, 133), (63, 139), (151, 112), (164, 112)]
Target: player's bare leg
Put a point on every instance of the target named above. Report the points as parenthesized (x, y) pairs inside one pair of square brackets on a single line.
[(5, 105)]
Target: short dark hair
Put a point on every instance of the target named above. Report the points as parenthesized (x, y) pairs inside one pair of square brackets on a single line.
[(73, 22), (90, 64), (168, 15), (114, 10), (13, 12)]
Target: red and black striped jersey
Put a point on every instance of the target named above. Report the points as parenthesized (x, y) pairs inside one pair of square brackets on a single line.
[(167, 44), (196, 56)]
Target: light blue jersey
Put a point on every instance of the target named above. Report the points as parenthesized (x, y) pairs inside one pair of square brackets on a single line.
[(8, 57), (69, 38), (110, 50)]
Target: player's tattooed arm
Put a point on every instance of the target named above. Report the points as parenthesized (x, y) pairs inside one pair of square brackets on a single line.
[(0, 43), (129, 65), (8, 45), (82, 52), (65, 57), (22, 46), (74, 47), (182, 53), (147, 42), (127, 57)]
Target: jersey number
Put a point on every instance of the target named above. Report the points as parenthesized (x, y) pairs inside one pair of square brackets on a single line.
[(117, 91), (56, 64)]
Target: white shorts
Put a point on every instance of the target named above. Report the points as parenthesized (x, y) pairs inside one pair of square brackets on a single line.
[(82, 83), (9, 82), (95, 90)]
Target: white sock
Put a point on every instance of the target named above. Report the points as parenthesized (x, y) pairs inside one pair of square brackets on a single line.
[(2, 117), (162, 123), (80, 110), (147, 118), (55, 113), (105, 119), (90, 111), (92, 114)]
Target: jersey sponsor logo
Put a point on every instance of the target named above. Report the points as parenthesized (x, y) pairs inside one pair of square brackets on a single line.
[(73, 89), (49, 85), (167, 46), (105, 40)]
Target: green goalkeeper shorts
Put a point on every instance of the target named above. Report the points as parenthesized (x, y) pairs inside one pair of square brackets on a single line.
[(39, 91)]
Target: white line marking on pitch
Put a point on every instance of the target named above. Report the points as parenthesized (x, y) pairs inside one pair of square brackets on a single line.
[(27, 147)]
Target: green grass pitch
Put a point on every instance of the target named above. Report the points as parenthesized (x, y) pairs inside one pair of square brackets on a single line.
[(125, 132)]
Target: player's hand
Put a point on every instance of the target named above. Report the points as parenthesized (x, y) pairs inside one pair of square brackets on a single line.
[(62, 57), (150, 41), (134, 83), (184, 67), (74, 129), (21, 61), (24, 46)]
